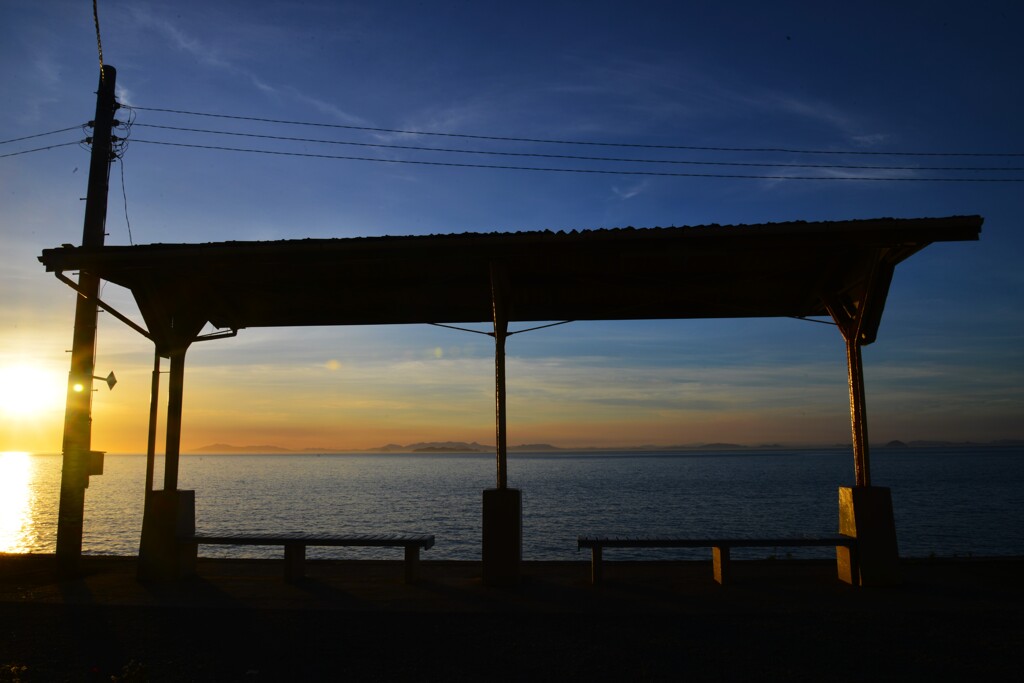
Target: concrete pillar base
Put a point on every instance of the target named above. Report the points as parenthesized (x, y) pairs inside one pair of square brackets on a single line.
[(169, 516), (865, 513), (503, 536)]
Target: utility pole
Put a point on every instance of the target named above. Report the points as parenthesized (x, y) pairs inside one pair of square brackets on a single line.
[(77, 445)]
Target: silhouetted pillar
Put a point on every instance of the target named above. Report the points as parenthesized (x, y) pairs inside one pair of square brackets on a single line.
[(500, 414), (865, 511), (77, 454), (858, 414), (503, 507), (154, 409), (175, 395), (170, 514)]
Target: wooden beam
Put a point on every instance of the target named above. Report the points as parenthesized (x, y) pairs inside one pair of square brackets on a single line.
[(499, 289)]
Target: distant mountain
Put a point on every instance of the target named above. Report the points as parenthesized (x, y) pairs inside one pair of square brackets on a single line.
[(390, 448), (475, 447), (460, 447), (433, 447), (227, 448)]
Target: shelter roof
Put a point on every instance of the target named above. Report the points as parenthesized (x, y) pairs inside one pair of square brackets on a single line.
[(773, 269)]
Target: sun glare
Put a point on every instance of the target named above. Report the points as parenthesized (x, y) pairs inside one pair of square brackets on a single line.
[(27, 391)]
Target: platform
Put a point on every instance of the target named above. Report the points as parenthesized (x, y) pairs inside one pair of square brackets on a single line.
[(779, 620)]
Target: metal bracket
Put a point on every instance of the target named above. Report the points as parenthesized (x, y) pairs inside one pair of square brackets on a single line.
[(106, 307), (135, 326)]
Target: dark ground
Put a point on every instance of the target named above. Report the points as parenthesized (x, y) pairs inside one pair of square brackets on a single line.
[(780, 620)]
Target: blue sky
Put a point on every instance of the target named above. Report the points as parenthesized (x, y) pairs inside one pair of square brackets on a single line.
[(863, 77)]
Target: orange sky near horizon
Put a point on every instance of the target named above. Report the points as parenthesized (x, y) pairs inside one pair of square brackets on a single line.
[(439, 394)]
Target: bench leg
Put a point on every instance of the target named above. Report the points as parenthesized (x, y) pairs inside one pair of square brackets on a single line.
[(596, 566), (412, 563), (720, 555), (294, 561)]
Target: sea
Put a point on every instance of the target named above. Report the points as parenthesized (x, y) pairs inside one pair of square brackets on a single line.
[(963, 501)]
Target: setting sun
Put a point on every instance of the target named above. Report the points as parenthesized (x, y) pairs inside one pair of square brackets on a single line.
[(27, 391)]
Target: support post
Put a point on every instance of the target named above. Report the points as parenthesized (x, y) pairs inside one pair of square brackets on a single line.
[(169, 521), (154, 409), (503, 507), (500, 415), (77, 443), (175, 395), (865, 511), (858, 414), (170, 515)]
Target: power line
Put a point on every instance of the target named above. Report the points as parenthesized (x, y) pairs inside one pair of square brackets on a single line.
[(578, 158), (574, 170), (40, 149), (124, 194), (580, 142), (39, 135)]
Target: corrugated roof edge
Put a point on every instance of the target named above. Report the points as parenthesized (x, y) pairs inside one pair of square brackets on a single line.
[(593, 233)]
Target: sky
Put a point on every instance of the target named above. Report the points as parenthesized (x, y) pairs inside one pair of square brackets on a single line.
[(935, 77)]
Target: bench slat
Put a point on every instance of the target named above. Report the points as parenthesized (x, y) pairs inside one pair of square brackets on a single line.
[(681, 542), (258, 538)]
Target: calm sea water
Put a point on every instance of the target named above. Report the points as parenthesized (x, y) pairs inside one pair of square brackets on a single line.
[(948, 501)]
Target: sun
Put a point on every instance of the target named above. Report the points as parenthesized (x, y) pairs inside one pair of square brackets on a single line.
[(29, 390)]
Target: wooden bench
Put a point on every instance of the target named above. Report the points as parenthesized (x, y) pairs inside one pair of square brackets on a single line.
[(719, 547), (295, 546)]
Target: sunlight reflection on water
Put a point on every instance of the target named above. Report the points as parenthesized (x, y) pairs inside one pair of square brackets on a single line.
[(15, 501)]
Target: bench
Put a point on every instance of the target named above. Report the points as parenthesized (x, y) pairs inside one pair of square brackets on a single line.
[(295, 546), (719, 548)]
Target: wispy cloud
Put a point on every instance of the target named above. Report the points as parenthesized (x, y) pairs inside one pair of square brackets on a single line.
[(630, 191), (205, 54), (124, 95), (222, 60), (329, 109), (659, 89)]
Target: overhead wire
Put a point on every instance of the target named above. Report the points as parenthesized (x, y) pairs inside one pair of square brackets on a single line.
[(378, 145), (40, 149), (39, 135), (124, 195), (582, 142), (574, 170), (119, 144)]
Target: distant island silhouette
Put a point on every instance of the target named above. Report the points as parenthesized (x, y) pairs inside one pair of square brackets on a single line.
[(420, 447), (475, 447)]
